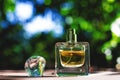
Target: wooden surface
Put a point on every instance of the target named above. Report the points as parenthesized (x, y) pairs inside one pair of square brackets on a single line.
[(50, 75)]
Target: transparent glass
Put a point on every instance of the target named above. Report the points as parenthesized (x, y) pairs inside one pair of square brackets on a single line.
[(35, 65), (72, 58)]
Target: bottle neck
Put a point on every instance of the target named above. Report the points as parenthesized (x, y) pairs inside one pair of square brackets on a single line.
[(71, 36)]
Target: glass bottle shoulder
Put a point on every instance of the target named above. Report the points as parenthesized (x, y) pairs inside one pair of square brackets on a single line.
[(73, 46)]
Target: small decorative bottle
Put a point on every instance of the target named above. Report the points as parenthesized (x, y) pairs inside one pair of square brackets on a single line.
[(72, 57)]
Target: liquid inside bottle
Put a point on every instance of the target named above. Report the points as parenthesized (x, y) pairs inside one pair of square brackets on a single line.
[(72, 58)]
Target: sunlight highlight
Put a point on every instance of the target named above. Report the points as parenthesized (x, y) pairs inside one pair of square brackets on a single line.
[(11, 17), (118, 60), (108, 54), (115, 27), (44, 24), (24, 11)]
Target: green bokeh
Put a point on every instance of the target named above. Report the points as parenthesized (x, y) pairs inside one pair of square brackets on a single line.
[(91, 18)]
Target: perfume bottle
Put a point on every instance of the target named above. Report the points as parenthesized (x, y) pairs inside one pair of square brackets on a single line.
[(72, 58)]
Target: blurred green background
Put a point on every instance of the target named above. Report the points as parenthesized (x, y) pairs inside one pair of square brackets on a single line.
[(32, 27)]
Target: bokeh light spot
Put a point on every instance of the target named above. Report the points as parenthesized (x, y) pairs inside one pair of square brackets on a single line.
[(69, 20), (44, 24), (118, 60), (115, 27), (40, 2), (117, 66), (111, 1), (107, 7), (109, 57), (24, 11), (108, 54), (66, 7), (11, 17)]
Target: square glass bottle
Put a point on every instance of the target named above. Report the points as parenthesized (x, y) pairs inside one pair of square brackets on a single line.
[(72, 58)]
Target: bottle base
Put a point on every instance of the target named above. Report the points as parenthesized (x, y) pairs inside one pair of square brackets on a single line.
[(72, 74)]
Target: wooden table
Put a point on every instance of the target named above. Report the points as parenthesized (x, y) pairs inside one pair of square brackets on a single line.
[(50, 75)]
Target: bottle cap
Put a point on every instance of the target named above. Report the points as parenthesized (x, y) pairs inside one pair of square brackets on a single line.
[(71, 35)]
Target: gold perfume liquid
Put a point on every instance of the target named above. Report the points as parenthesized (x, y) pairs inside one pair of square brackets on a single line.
[(72, 58)]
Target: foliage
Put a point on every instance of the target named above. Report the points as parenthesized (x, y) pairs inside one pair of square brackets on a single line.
[(91, 18)]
